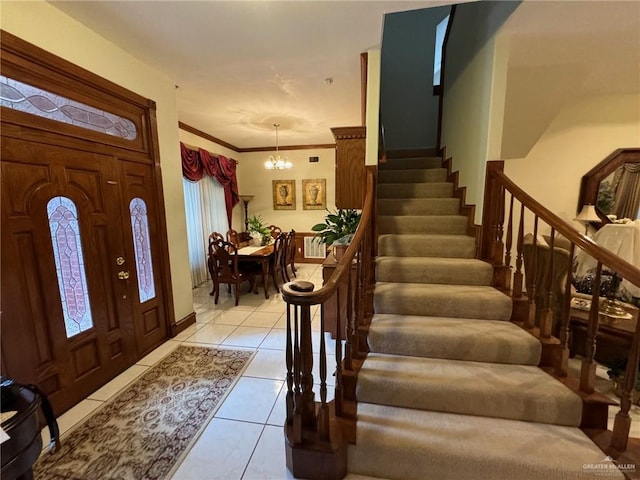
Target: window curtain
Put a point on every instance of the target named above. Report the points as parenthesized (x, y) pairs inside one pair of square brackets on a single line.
[(198, 164), (201, 199), (627, 200)]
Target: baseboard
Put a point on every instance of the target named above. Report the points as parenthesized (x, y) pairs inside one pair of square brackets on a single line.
[(183, 324)]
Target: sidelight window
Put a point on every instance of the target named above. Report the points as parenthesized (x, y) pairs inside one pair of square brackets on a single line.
[(67, 252), (142, 248)]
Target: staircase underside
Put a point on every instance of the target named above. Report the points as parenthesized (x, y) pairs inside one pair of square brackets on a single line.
[(451, 389)]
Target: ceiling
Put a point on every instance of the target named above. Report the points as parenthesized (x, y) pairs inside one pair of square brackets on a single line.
[(241, 66)]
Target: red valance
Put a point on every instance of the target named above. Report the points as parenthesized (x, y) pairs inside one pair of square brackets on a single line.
[(223, 169)]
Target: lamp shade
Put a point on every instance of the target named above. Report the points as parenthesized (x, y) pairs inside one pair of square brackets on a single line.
[(588, 214)]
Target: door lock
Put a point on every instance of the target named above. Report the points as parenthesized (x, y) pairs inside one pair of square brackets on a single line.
[(120, 261), (122, 275)]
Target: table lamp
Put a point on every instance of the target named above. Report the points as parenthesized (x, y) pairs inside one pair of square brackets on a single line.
[(246, 199), (587, 215)]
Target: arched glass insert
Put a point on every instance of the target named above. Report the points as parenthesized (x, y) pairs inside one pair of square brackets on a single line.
[(67, 252), (142, 248), (27, 98)]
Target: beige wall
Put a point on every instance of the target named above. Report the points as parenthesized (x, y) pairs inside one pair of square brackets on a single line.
[(465, 126), (253, 179), (40, 23), (580, 136)]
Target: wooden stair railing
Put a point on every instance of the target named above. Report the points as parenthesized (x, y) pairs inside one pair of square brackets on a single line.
[(317, 432), (496, 248)]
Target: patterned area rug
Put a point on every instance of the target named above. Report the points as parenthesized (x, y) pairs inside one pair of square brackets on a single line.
[(143, 432)]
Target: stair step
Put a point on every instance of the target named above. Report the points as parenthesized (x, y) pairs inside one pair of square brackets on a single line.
[(415, 190), (411, 163), (516, 392), (418, 206), (426, 245), (452, 271), (432, 300), (453, 338), (436, 224), (411, 444), (413, 176)]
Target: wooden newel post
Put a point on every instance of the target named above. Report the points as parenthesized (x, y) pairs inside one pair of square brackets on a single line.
[(491, 211)]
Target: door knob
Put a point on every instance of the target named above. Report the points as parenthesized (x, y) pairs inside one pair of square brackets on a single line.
[(122, 275), (120, 261)]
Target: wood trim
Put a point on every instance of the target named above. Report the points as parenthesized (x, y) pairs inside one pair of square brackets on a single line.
[(183, 324), (288, 147), (349, 133), (364, 72), (206, 136), (36, 55), (162, 219), (468, 210), (211, 138)]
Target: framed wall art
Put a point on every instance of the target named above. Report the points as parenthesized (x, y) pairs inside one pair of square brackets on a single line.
[(314, 194), (284, 194)]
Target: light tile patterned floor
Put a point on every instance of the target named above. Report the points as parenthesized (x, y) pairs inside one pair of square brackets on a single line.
[(245, 439)]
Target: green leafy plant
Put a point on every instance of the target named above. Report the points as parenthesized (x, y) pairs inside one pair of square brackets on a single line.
[(256, 226), (338, 227)]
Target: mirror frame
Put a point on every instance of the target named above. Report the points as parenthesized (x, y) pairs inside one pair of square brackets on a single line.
[(591, 180)]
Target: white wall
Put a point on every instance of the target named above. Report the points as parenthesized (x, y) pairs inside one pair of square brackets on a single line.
[(47, 27), (581, 135), (253, 179)]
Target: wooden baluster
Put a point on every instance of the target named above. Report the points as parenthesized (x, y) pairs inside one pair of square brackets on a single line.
[(531, 279), (306, 364), (507, 251), (361, 288), (622, 422), (338, 390), (289, 362), (348, 358), (323, 411), (563, 361), (546, 320), (588, 370), (297, 392), (517, 276), (499, 246)]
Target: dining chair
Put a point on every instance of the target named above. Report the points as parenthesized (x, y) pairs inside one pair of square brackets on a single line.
[(277, 260), (275, 231), (290, 256), (224, 268), (212, 238), (233, 237)]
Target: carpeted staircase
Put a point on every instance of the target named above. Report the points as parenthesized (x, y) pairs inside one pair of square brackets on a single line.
[(451, 388)]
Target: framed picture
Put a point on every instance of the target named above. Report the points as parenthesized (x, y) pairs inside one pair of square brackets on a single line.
[(314, 194), (284, 194)]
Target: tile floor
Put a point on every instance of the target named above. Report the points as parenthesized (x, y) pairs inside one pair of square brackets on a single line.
[(244, 440)]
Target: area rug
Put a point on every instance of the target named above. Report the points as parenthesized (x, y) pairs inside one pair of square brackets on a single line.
[(144, 431)]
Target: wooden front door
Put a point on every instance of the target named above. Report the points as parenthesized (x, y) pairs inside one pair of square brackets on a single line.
[(81, 301)]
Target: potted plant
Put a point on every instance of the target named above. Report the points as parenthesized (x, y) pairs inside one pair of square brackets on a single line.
[(256, 226), (337, 230)]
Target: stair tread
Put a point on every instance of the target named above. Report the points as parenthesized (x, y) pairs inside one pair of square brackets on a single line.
[(411, 444), (454, 338), (519, 392)]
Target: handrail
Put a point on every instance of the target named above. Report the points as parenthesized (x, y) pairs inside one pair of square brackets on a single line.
[(316, 432), (621, 266), (535, 313)]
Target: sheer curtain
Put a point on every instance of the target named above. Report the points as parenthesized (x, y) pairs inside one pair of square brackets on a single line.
[(206, 212)]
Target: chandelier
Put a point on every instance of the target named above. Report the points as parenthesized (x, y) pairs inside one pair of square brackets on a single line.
[(277, 162)]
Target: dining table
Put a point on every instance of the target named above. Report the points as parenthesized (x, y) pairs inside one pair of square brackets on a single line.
[(260, 254)]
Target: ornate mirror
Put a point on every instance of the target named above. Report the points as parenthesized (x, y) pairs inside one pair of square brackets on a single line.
[(613, 186)]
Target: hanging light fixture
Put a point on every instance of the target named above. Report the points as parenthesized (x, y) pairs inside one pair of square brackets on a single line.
[(277, 162)]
